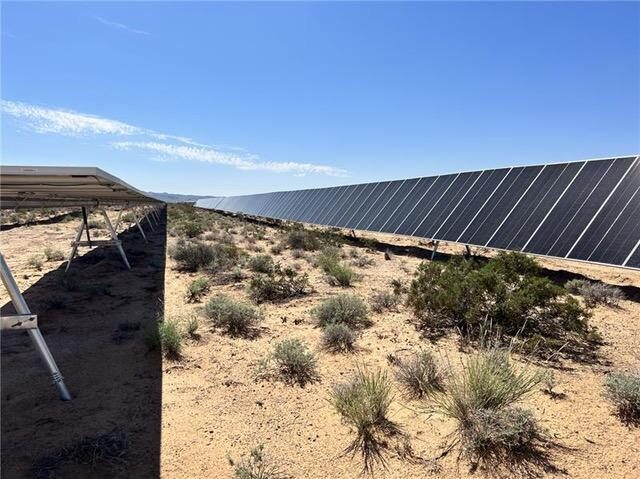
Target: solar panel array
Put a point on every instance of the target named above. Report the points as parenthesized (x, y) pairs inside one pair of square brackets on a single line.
[(585, 210)]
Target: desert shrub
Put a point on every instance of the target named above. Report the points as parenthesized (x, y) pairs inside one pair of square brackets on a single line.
[(362, 261), (294, 363), (595, 293), (280, 284), (255, 466), (506, 293), (623, 390), (277, 249), (482, 399), (96, 224), (341, 275), (338, 337), (298, 254), (328, 258), (363, 403), (384, 301), (236, 318), (166, 336), (53, 254), (195, 255), (398, 286), (197, 289), (299, 238), (420, 375), (35, 262), (262, 263), (191, 229), (344, 309)]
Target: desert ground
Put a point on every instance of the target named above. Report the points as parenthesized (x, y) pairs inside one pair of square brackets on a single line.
[(138, 413)]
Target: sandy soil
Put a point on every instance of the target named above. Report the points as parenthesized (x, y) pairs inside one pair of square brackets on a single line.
[(186, 417)]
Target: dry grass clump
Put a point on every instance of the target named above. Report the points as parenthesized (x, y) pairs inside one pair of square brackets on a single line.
[(595, 293), (363, 403), (623, 390), (492, 431), (262, 263), (338, 338), (235, 318), (362, 261), (384, 301), (338, 273), (280, 284), (420, 376), (197, 289), (35, 262), (255, 466), (342, 309), (53, 254)]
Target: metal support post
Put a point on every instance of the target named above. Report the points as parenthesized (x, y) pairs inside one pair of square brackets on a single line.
[(467, 251), (114, 237), (135, 216), (435, 250), (74, 245), (118, 220), (21, 307)]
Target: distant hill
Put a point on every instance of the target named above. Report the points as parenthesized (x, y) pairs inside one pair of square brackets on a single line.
[(175, 197)]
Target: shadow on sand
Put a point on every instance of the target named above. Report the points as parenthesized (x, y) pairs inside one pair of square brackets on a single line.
[(93, 319)]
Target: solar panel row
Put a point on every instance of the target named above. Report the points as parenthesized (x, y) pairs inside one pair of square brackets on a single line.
[(587, 210)]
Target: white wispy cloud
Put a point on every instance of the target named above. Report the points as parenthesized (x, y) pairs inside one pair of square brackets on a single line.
[(242, 162), (121, 26), (164, 147)]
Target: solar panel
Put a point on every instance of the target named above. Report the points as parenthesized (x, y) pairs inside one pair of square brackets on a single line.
[(585, 210)]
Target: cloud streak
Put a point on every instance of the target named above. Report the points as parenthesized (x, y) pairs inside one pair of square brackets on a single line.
[(121, 26), (160, 145)]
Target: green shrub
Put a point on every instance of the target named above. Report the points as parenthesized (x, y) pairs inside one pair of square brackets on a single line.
[(236, 318), (262, 263), (328, 258), (505, 293), (197, 289), (363, 404), (299, 238), (341, 275), (166, 336), (255, 466), (338, 337), (53, 254), (277, 249), (294, 362), (195, 255), (281, 284), (482, 398), (420, 376), (191, 229), (192, 326), (623, 390), (35, 262), (342, 309), (384, 301)]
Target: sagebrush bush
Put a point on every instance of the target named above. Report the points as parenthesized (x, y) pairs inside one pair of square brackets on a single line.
[(195, 255), (191, 229), (236, 318), (166, 336), (294, 362), (328, 258), (262, 263), (623, 390), (280, 284), (341, 275), (384, 301), (302, 239), (420, 375), (298, 254), (506, 292), (197, 289), (363, 403), (53, 254), (192, 324), (338, 338), (343, 309), (363, 261)]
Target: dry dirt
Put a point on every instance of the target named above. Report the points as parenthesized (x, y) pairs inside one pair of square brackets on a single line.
[(184, 418)]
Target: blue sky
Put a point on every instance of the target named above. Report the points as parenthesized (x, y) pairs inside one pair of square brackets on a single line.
[(233, 98)]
